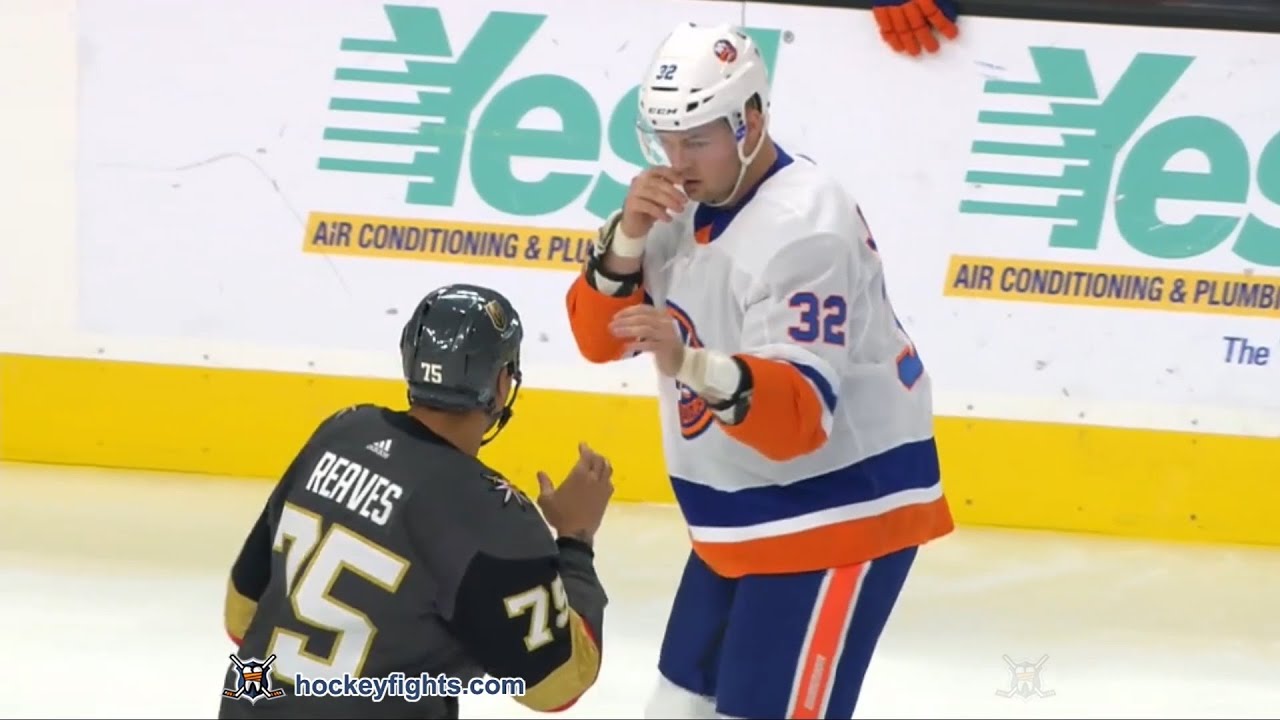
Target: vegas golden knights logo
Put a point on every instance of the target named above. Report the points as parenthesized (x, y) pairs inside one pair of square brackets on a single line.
[(509, 492), (497, 315)]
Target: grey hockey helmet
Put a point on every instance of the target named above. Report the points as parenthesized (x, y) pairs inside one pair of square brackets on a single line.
[(454, 348)]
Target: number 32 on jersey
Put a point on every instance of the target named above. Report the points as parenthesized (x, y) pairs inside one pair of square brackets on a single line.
[(823, 320)]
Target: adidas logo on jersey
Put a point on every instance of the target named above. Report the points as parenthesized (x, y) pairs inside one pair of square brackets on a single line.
[(382, 448)]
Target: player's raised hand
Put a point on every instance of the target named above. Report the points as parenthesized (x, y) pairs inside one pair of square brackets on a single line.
[(576, 508), (650, 329), (654, 197)]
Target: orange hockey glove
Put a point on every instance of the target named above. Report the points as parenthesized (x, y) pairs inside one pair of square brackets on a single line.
[(909, 25)]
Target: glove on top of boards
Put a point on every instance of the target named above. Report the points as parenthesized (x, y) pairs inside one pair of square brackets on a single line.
[(909, 25)]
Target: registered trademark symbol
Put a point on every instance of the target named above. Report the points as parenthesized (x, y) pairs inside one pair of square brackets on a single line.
[(788, 36)]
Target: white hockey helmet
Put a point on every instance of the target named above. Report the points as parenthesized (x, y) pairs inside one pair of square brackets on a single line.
[(702, 74)]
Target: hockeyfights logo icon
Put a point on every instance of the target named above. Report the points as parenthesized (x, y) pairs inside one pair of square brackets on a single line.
[(253, 680), (1025, 681)]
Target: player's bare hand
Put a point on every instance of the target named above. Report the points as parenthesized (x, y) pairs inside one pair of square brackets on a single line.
[(650, 329), (654, 197), (576, 508)]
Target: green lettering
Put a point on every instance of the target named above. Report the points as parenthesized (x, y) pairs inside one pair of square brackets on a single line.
[(1145, 180), (1144, 84), (440, 114), (1259, 242), (608, 193), (1094, 131), (499, 139), (767, 41), (446, 92)]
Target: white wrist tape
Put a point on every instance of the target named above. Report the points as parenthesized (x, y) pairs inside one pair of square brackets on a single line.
[(625, 246), (709, 373)]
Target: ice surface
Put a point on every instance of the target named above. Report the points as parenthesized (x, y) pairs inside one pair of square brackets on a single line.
[(112, 585)]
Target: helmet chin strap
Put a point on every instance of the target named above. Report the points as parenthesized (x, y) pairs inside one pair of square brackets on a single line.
[(500, 421), (498, 418), (744, 162)]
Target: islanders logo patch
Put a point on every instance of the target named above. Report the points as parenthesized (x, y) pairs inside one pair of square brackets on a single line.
[(695, 416)]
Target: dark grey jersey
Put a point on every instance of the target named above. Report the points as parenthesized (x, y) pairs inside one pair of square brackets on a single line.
[(390, 569)]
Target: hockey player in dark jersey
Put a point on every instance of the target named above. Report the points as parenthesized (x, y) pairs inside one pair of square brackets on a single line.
[(389, 550)]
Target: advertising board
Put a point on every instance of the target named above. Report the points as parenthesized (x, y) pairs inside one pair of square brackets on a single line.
[(1080, 224)]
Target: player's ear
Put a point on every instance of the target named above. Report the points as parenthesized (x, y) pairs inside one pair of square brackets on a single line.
[(504, 386), (754, 117)]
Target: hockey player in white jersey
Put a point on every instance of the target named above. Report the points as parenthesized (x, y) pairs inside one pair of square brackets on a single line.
[(796, 415)]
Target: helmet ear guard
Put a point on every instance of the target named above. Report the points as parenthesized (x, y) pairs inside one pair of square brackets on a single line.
[(502, 416)]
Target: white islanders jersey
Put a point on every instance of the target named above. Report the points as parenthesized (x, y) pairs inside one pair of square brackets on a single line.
[(792, 276)]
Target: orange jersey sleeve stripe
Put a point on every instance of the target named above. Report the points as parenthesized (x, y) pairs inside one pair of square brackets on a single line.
[(843, 543), (590, 313), (785, 419), (821, 654)]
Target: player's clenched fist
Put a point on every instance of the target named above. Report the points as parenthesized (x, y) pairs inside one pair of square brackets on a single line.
[(654, 196)]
